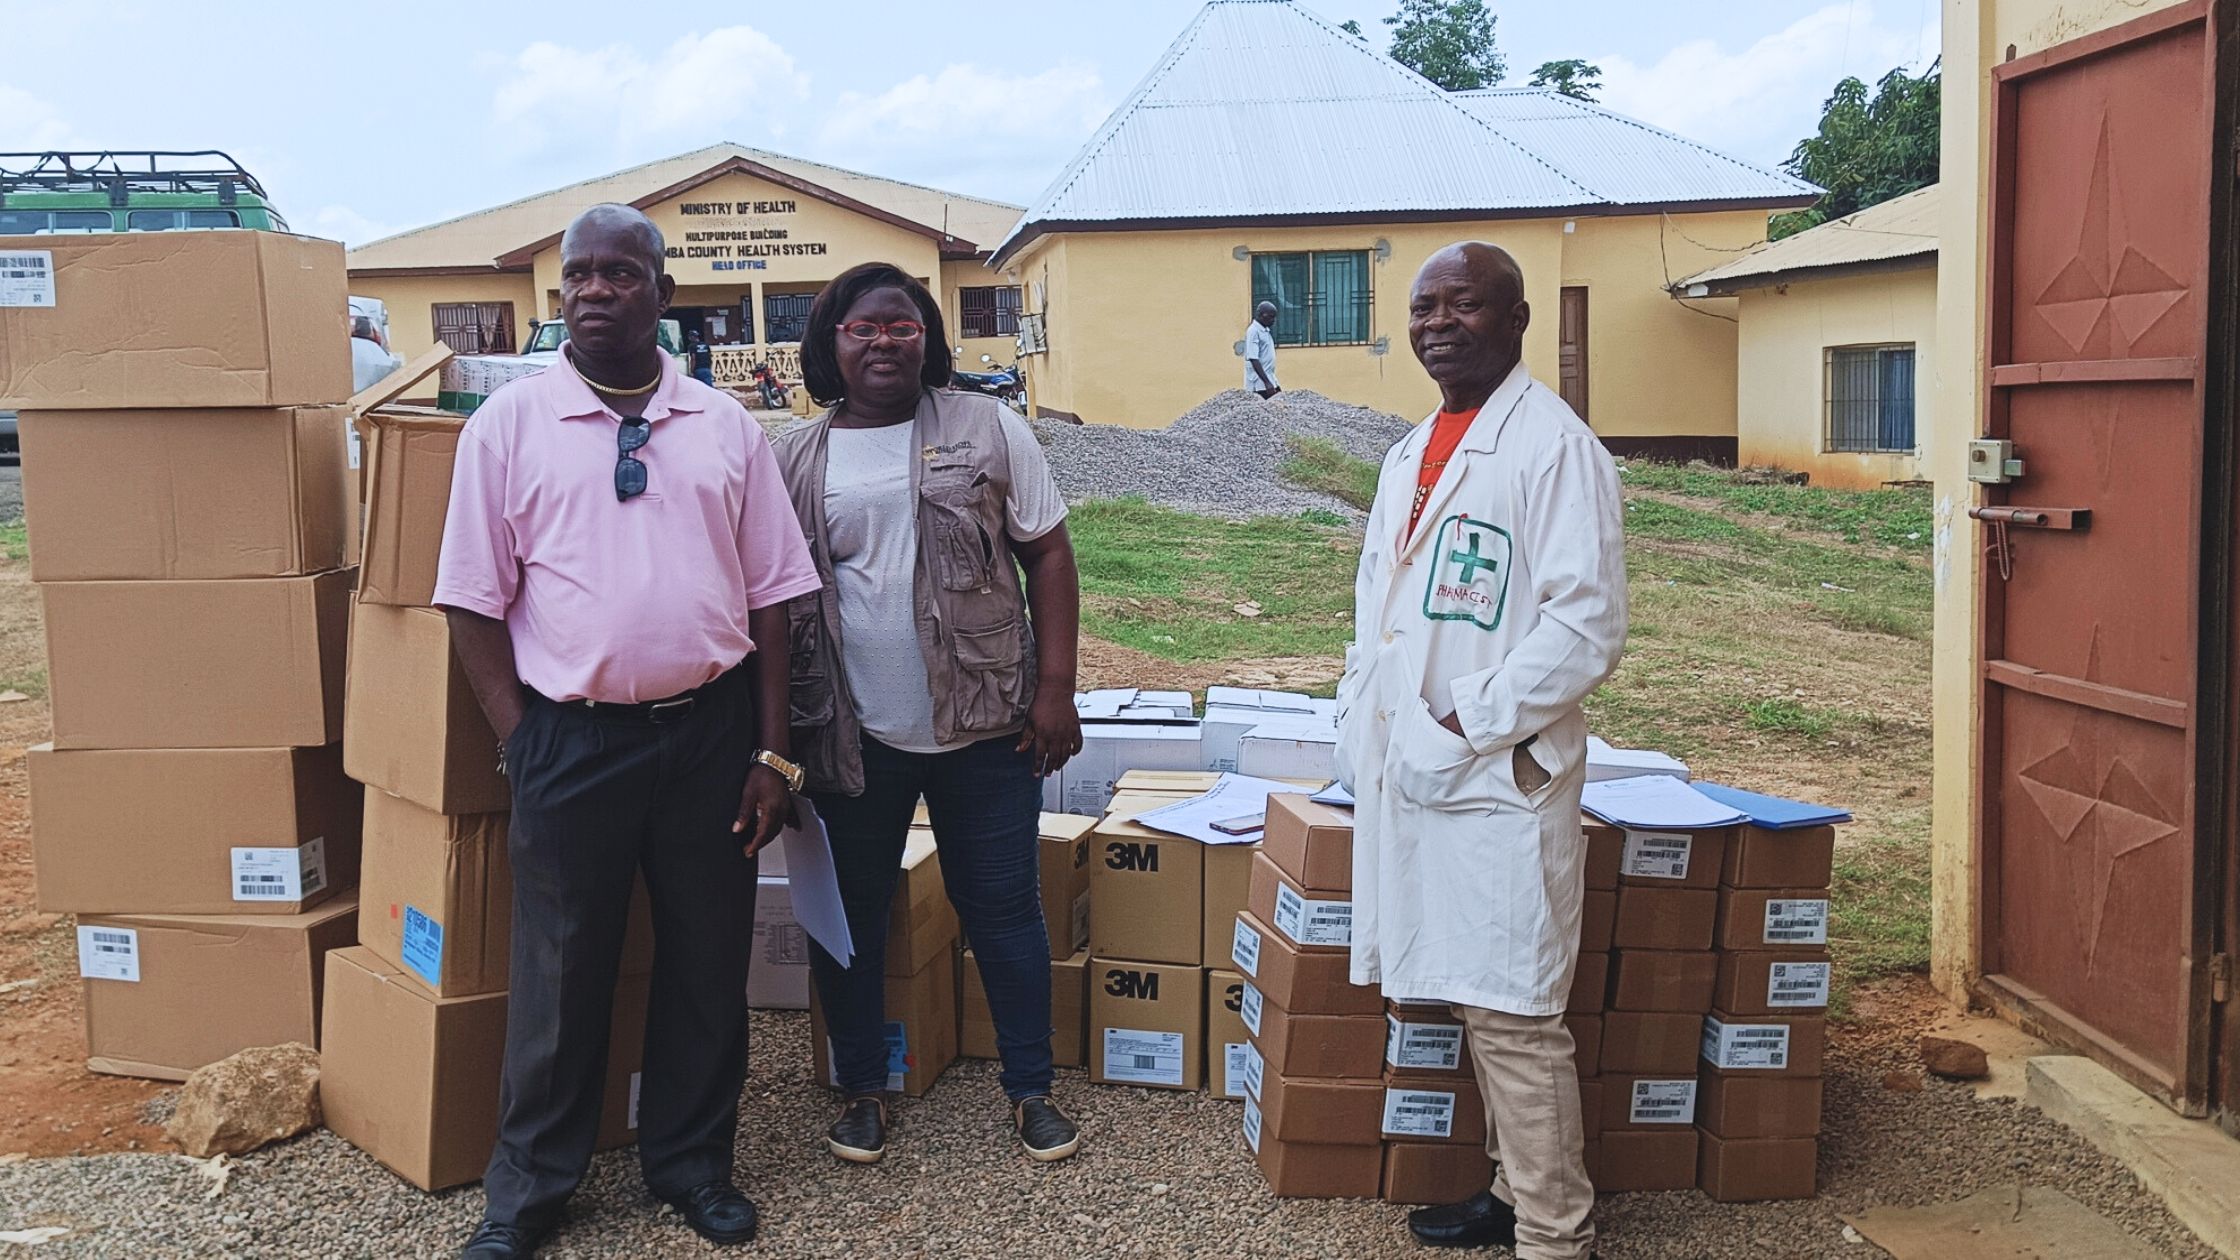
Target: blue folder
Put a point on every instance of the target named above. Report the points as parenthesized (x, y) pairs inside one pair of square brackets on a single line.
[(1772, 812)]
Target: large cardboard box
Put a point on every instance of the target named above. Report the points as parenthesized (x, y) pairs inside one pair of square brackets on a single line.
[(1310, 843), (1146, 889), (408, 494), (1316, 1111), (436, 901), (1349, 1047), (1772, 982), (1640, 1160), (1652, 1103), (1755, 1170), (1651, 1043), (1228, 889), (1598, 919), (778, 977), (1434, 1108), (413, 726), (1663, 980), (1672, 859), (1069, 1011), (1301, 1170), (1418, 1042), (1146, 1024), (1227, 1038), (1109, 750), (1064, 854), (191, 831), (1590, 984), (1316, 920), (174, 319), (1765, 1045), (1664, 918), (921, 924), (250, 663), (166, 994), (1434, 1172), (184, 495), (1733, 1105), (1757, 858), (921, 1029), (1300, 981), (1772, 918)]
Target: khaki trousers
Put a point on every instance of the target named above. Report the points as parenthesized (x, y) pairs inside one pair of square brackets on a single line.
[(1533, 1129)]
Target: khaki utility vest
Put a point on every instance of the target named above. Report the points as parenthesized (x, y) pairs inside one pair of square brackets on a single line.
[(971, 605)]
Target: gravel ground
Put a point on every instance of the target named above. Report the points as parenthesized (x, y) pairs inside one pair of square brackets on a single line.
[(1161, 1174), (1220, 458)]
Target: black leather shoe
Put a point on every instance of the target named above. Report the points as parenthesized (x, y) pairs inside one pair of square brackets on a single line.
[(1048, 1133), (1478, 1221), (494, 1240), (717, 1212), (860, 1134)]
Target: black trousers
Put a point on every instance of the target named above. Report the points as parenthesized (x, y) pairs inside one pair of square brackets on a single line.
[(596, 800)]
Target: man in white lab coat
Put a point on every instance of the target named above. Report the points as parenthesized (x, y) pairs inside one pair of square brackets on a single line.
[(1491, 599)]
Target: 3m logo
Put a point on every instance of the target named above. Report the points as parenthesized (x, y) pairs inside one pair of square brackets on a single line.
[(1233, 998), (1136, 986), (1081, 853), (1132, 856)]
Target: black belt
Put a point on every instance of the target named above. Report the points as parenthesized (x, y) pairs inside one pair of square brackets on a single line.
[(652, 712)]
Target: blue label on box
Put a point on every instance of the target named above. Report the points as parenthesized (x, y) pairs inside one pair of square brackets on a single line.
[(423, 946)]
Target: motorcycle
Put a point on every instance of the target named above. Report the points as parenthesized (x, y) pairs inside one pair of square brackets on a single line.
[(1007, 384), (775, 396)]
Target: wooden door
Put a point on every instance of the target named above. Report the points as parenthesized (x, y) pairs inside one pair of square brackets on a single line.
[(1571, 370), (2091, 860)]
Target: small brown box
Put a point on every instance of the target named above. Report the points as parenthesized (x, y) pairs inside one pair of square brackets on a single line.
[(1312, 919), (1069, 1013), (1586, 1041), (1318, 1111), (1663, 980), (1310, 842), (1772, 982), (1426, 1107), (408, 463), (1652, 1103), (925, 1008), (1765, 1045), (1432, 1041), (1590, 1107), (1753, 1170), (1773, 918), (1665, 918), (1147, 1024), (1757, 858), (1651, 1043), (1598, 916), (1300, 982), (1299, 1171), (1146, 888), (1605, 853), (1589, 983), (1631, 1160), (1734, 1106), (1434, 1172), (1672, 859), (1350, 1047), (1064, 852), (921, 921), (1228, 890)]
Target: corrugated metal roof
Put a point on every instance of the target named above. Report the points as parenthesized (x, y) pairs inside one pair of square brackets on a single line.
[(1902, 227), (1262, 108), (479, 239)]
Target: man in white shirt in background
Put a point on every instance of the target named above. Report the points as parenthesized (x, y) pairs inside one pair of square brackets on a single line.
[(1260, 352)]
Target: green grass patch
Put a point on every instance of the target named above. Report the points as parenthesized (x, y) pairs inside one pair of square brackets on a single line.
[(1898, 517), (1317, 464), (33, 684), (1790, 717), (1879, 907), (15, 542)]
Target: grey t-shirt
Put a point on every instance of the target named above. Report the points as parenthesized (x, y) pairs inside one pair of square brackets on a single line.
[(873, 526)]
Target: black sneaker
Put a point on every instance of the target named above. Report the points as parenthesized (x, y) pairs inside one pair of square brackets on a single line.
[(494, 1240), (1478, 1221), (717, 1212), (1048, 1133), (860, 1134)]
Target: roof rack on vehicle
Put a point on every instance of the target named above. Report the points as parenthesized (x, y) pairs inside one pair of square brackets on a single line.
[(122, 172)]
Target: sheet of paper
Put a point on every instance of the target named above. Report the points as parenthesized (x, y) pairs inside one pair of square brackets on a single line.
[(1335, 794), (1605, 762), (815, 885), (1654, 801), (1233, 796)]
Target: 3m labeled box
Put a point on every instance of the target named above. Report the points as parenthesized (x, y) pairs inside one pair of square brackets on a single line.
[(1590, 983), (1651, 1043), (436, 899), (1755, 1170), (1064, 853), (1772, 982), (1442, 1108), (1312, 844), (248, 663), (921, 1029), (175, 495), (1672, 859), (1146, 1024), (921, 923), (191, 831), (1228, 890), (174, 319), (1434, 1172), (1303, 1170), (1772, 918), (408, 495), (1301, 982), (1069, 1012), (1663, 980), (1226, 1035), (1765, 1045), (1310, 919), (1109, 750), (166, 994), (1632, 1160), (1664, 918), (1146, 889), (1416, 1042), (1317, 1111), (1348, 1047), (413, 726), (778, 976), (1758, 858), (1736, 1105)]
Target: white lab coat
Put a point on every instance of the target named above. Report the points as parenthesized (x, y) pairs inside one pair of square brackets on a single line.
[(1506, 607)]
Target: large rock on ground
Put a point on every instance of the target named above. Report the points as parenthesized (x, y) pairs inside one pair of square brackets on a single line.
[(245, 1101), (1953, 1059)]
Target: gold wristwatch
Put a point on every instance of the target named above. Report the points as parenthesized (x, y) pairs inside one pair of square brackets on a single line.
[(787, 770)]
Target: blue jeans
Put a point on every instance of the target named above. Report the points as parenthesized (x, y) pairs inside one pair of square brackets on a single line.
[(706, 376), (986, 806)]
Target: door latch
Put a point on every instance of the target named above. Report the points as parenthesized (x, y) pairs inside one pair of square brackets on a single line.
[(1992, 462), (2220, 977)]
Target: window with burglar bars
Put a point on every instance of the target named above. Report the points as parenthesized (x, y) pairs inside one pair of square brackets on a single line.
[(1322, 298), (1870, 399), (992, 311), (474, 327), (785, 316)]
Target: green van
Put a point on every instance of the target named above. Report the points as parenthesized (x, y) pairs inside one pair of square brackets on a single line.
[(137, 191)]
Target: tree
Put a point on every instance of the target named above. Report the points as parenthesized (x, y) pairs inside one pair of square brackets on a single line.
[(1573, 78), (1867, 150), (1352, 27), (1449, 42)]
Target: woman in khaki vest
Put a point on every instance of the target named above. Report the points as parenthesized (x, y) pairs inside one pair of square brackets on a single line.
[(925, 666)]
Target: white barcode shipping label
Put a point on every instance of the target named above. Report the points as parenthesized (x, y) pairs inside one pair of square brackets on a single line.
[(1133, 1056), (109, 953), (1418, 1113), (27, 277), (1437, 1046), (1249, 1004), (1311, 922), (1255, 1071), (1799, 922), (635, 1077), (1252, 1125), (354, 445), (1742, 1047), (1233, 1058), (280, 874), (1663, 1102), (1797, 984), (1244, 949), (1657, 854)]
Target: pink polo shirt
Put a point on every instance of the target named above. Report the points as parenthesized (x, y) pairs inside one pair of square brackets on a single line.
[(612, 601)]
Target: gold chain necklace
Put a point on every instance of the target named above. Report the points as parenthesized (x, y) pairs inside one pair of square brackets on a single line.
[(610, 390)]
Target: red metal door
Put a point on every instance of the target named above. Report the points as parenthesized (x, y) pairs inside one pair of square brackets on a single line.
[(2099, 248)]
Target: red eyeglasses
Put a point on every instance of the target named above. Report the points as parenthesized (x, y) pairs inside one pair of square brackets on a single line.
[(869, 330)]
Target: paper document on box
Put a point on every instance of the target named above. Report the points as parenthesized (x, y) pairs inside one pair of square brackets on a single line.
[(1605, 763), (1233, 797), (1655, 801), (1335, 794), (816, 886)]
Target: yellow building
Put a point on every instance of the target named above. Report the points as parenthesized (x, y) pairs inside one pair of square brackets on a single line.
[(1836, 344), (751, 238), (1271, 155)]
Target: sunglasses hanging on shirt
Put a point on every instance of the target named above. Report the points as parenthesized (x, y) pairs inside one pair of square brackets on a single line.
[(629, 471)]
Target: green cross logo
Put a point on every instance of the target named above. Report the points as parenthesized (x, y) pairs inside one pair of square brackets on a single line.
[(1471, 561), (1469, 579)]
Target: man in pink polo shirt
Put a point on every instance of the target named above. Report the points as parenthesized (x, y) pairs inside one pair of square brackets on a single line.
[(619, 543)]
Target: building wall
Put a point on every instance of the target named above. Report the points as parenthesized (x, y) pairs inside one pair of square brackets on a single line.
[(1977, 34), (972, 274), (411, 301), (1785, 333)]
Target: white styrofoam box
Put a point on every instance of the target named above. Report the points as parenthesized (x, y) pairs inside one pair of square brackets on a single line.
[(1109, 750), (1270, 702), (1289, 750), (778, 976)]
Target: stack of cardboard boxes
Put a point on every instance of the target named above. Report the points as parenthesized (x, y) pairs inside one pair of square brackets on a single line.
[(1064, 854), (185, 479), (1147, 939)]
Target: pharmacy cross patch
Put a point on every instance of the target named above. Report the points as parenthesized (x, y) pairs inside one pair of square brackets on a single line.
[(1469, 573)]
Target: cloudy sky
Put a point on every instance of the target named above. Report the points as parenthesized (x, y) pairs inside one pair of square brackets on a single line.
[(365, 119)]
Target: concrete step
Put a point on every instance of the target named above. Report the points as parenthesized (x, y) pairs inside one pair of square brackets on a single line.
[(2193, 1165)]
